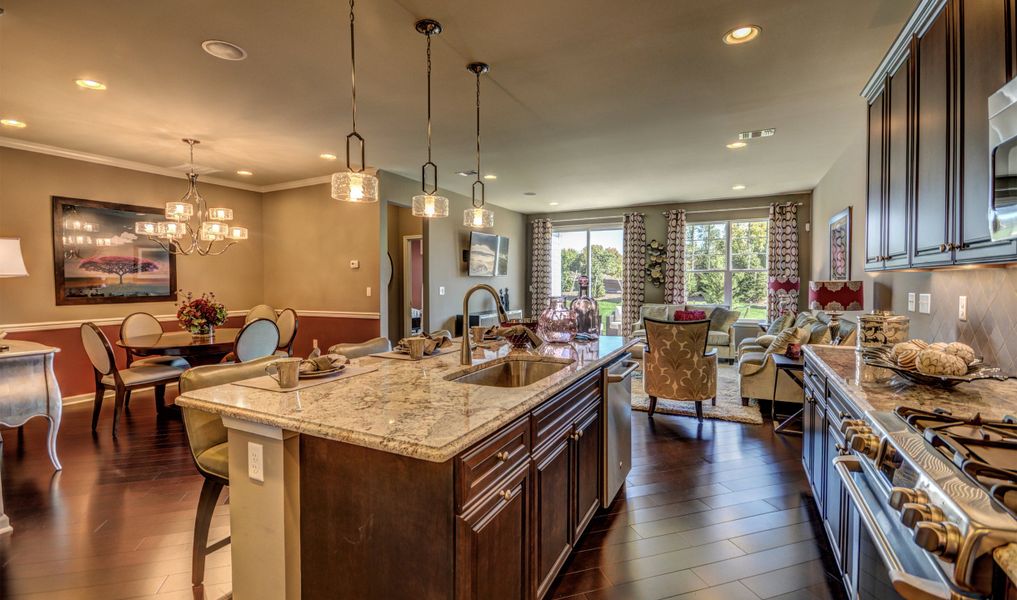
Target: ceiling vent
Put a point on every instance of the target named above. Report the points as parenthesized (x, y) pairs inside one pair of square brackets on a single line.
[(759, 133), (469, 173)]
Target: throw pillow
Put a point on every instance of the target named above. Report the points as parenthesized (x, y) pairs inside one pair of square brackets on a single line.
[(689, 315), (783, 339), (721, 319), (803, 317), (779, 324), (820, 334)]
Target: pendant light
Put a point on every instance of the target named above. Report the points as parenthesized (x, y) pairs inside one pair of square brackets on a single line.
[(354, 185), (430, 204), (478, 217)]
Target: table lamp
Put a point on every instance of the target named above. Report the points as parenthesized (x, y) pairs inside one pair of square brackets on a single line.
[(11, 265), (835, 297)]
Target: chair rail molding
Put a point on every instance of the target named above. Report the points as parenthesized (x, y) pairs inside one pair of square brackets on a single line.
[(76, 323)]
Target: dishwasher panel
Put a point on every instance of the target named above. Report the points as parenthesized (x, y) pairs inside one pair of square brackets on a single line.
[(617, 434)]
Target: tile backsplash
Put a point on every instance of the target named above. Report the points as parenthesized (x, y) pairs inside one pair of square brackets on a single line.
[(991, 326)]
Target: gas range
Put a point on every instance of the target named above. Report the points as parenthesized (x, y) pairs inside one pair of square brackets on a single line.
[(941, 491)]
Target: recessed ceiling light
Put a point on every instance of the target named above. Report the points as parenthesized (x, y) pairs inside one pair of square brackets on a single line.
[(224, 50), (90, 84), (742, 34), (736, 145), (13, 123), (466, 173), (327, 156), (490, 176), (738, 187), (552, 204), (245, 172)]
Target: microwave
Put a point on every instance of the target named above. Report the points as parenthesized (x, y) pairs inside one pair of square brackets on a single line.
[(1003, 159)]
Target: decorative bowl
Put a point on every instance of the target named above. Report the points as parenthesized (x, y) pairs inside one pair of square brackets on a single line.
[(883, 357)]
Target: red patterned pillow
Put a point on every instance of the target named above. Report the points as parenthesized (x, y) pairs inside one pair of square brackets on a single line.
[(689, 315)]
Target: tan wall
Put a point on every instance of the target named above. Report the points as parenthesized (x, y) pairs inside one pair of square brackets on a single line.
[(401, 222), (27, 182), (310, 241)]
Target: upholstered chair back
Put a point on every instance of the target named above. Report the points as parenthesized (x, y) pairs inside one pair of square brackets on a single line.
[(97, 347), (139, 324), (676, 364), (261, 311), (372, 346), (287, 324), (257, 339)]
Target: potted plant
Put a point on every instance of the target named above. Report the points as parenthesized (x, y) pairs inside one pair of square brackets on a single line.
[(202, 315)]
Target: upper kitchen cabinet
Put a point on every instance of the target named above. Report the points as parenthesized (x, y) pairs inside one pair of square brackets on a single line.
[(928, 163)]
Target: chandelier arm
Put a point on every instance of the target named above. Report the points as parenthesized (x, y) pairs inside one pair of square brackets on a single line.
[(210, 252)]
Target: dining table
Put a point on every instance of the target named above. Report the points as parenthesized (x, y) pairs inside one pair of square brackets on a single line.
[(197, 350)]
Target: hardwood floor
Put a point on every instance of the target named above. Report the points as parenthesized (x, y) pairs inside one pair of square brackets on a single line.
[(711, 511)]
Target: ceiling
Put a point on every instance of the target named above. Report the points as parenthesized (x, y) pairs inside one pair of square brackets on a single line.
[(589, 103)]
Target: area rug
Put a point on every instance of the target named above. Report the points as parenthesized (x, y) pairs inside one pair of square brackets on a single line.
[(729, 402)]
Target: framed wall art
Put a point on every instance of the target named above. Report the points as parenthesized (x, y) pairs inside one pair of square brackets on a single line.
[(98, 259), (840, 245)]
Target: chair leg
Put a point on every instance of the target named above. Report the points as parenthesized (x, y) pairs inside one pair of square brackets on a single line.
[(653, 406), (118, 408), (203, 520), (699, 411), (100, 391), (160, 398), (127, 400), (713, 401)]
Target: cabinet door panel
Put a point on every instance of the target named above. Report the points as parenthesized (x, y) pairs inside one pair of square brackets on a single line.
[(808, 432), (493, 544), (552, 515), (932, 193), (898, 189), (874, 197), (819, 457), (832, 497), (587, 470), (983, 50)]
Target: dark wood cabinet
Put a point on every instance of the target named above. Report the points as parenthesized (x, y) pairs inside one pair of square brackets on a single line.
[(492, 543), (587, 470), (552, 498), (929, 157)]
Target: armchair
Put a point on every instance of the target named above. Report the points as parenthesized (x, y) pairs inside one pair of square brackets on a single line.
[(677, 364)]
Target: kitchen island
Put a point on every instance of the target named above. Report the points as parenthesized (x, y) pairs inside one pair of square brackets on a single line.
[(405, 483)]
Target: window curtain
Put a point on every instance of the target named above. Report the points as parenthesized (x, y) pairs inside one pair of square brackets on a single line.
[(782, 259), (633, 269), (540, 265), (674, 274)]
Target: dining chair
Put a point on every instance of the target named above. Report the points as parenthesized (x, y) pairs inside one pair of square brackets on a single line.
[(121, 381), (141, 324), (261, 311), (207, 439), (676, 364), (256, 339), (287, 324), (360, 349)]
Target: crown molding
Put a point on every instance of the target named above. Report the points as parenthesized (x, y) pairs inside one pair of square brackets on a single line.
[(299, 183), (922, 17)]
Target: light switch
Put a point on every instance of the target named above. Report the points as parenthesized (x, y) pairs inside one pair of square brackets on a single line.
[(255, 464), (911, 302), (962, 309), (441, 290), (925, 303), (355, 264)]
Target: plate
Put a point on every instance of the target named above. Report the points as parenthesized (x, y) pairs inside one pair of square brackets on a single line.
[(320, 374), (883, 358)]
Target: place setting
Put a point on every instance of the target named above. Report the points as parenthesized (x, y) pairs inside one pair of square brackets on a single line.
[(293, 374)]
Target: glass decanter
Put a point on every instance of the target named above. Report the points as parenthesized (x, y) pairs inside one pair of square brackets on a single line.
[(586, 310), (557, 324)]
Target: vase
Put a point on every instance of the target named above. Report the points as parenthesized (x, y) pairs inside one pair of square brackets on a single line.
[(586, 310), (557, 324), (879, 329), (202, 332)]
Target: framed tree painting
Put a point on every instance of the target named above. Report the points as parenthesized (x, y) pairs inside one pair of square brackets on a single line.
[(98, 259), (840, 245)]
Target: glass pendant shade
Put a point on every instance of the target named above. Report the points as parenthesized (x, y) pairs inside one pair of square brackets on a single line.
[(430, 206), (352, 186), (220, 214), (179, 211), (478, 218), (213, 231), (237, 233), (171, 230), (145, 228)]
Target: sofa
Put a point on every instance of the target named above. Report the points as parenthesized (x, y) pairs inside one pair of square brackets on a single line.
[(721, 336)]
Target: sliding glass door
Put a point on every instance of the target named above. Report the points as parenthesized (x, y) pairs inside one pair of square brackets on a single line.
[(596, 252)]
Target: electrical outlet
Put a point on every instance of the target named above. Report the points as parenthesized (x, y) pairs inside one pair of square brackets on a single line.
[(255, 462), (368, 291), (441, 290), (911, 302), (354, 264), (962, 309), (925, 303)]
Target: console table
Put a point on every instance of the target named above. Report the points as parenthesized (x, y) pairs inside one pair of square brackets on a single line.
[(28, 388)]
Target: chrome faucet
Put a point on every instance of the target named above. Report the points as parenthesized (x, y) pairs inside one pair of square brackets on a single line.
[(466, 356)]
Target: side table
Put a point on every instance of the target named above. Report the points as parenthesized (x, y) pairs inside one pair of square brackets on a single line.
[(795, 369)]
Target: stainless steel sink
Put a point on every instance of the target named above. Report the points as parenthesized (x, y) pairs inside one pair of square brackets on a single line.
[(513, 373)]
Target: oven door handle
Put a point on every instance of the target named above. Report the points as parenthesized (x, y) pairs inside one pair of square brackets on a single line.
[(906, 584)]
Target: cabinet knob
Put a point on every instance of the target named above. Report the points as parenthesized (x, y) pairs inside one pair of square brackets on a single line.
[(840, 449), (913, 513), (506, 494), (502, 456), (941, 539), (579, 434), (900, 496), (944, 247)]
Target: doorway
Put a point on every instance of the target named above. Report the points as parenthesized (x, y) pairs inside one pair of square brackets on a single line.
[(413, 284)]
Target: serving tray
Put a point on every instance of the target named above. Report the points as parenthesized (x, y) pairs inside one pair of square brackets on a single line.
[(882, 357)]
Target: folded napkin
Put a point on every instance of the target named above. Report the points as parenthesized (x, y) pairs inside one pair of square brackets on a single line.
[(325, 362), (434, 343)]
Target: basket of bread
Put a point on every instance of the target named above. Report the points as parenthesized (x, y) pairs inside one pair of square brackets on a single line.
[(938, 364)]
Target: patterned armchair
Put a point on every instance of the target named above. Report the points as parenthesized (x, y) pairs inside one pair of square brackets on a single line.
[(677, 365)]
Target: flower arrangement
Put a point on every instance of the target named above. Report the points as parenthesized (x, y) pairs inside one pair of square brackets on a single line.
[(201, 315)]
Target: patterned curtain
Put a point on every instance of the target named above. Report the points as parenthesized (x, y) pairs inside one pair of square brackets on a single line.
[(633, 269), (540, 266), (782, 257), (674, 274)]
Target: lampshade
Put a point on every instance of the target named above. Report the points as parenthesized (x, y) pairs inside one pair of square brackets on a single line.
[(11, 262), (430, 206), (478, 218), (835, 295), (354, 186)]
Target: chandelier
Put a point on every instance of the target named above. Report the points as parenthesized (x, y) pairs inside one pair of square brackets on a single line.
[(354, 185), (430, 204), (478, 217), (191, 227)]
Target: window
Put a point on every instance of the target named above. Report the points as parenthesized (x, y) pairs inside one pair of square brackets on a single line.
[(725, 263), (597, 253)]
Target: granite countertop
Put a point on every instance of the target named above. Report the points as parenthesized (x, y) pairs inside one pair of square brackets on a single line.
[(404, 407), (872, 388)]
